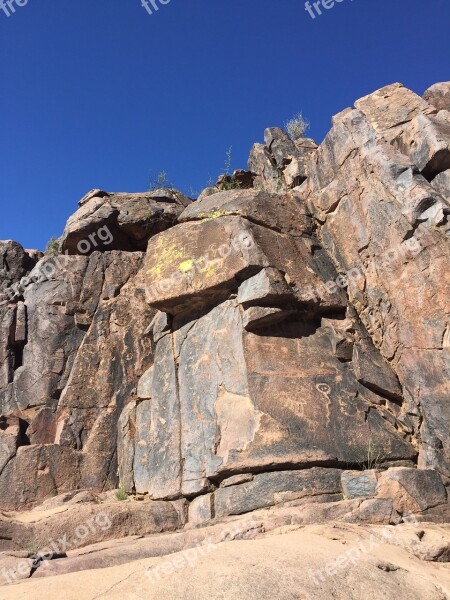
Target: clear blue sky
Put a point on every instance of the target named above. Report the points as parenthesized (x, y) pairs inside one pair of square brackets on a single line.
[(98, 93)]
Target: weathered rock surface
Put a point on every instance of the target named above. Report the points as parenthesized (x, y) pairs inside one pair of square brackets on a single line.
[(280, 163), (438, 95), (359, 484), (426, 141), (326, 561), (442, 184), (74, 350), (389, 108), (412, 490), (278, 349), (77, 524), (226, 238), (116, 221), (231, 357), (15, 263), (379, 216)]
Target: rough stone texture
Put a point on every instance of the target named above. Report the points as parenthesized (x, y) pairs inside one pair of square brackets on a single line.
[(72, 351), (263, 164), (36, 473), (373, 372), (247, 393), (280, 163), (316, 563), (268, 489), (116, 221), (438, 95), (426, 140), (390, 107), (257, 317), (412, 490), (284, 343), (441, 183), (268, 287), (201, 509), (10, 438), (216, 384), (357, 484), (15, 263), (237, 479), (286, 213), (229, 237), (78, 524), (377, 215)]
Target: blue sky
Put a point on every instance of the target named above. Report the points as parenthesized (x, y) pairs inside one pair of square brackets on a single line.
[(98, 93)]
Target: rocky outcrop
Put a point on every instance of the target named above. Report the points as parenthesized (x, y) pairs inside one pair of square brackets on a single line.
[(438, 95), (84, 351), (280, 345), (107, 221), (280, 163), (73, 346), (378, 214), (253, 371), (15, 263)]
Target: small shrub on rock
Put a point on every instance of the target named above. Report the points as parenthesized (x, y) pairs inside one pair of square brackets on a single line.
[(297, 127)]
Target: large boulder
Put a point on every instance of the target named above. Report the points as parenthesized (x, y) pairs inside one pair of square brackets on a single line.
[(226, 238), (249, 401), (117, 221), (438, 95)]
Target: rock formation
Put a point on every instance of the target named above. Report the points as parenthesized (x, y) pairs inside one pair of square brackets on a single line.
[(283, 341)]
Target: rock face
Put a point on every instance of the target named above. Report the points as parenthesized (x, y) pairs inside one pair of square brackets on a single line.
[(281, 343), (278, 349), (80, 360), (378, 214), (73, 345)]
